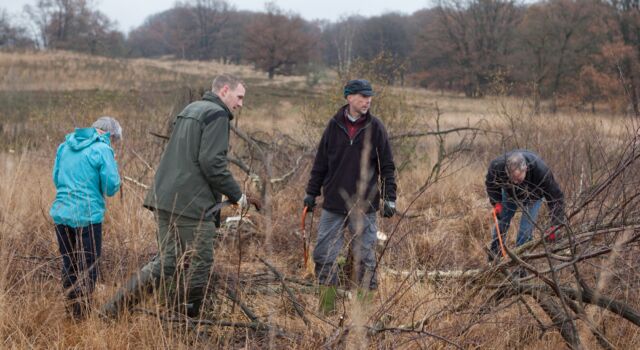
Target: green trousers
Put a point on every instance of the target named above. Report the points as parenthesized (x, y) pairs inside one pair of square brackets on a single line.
[(181, 238), (182, 242)]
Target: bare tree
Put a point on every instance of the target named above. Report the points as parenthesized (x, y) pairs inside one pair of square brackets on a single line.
[(627, 20), (210, 16), (40, 17), (557, 39), (387, 34), (196, 29), (471, 41), (164, 33), (11, 35), (339, 39), (74, 25), (278, 43)]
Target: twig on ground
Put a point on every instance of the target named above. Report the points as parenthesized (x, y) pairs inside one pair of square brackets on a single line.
[(296, 304)]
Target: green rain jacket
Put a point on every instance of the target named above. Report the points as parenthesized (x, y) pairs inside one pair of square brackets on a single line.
[(193, 170)]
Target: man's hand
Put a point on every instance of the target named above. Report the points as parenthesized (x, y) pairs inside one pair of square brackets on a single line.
[(309, 202), (242, 202), (497, 209), (389, 209), (552, 234)]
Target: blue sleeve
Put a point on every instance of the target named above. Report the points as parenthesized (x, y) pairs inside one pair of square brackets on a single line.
[(56, 166), (108, 170)]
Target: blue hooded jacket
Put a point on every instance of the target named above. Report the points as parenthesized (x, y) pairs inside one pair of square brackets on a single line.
[(84, 172)]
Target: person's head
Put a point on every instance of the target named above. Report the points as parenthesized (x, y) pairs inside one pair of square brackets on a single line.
[(516, 167), (110, 125), (358, 93), (230, 89)]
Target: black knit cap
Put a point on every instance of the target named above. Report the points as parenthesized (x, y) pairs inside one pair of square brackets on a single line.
[(358, 86)]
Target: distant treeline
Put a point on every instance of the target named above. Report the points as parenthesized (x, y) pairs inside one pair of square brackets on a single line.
[(581, 52)]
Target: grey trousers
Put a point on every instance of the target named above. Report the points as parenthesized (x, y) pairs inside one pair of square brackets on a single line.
[(331, 239)]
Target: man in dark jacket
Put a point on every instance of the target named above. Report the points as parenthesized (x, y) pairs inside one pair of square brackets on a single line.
[(520, 179), (187, 185), (353, 155)]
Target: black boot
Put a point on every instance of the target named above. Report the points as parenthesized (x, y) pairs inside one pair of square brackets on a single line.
[(78, 308), (74, 309), (194, 302)]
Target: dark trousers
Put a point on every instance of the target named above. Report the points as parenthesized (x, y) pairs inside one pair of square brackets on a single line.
[(80, 248), (527, 222)]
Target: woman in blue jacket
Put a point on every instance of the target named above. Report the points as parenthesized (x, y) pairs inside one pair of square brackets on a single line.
[(85, 171)]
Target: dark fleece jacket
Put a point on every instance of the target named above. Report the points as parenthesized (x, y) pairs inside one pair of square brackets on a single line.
[(539, 183), (337, 168)]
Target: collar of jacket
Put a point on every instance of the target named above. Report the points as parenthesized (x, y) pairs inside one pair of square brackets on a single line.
[(340, 116), (212, 97)]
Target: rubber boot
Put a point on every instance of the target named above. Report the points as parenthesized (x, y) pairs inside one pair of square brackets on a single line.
[(129, 295), (327, 299), (77, 304), (364, 296), (190, 306), (76, 309), (195, 300)]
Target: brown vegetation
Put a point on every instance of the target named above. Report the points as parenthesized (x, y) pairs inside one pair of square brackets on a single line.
[(444, 226), (583, 54)]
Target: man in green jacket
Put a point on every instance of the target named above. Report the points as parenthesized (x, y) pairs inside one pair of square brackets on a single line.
[(188, 183)]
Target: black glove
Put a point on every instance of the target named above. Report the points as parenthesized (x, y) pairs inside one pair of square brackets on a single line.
[(389, 209), (309, 202)]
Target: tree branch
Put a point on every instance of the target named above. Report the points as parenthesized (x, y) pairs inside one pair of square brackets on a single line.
[(296, 303), (437, 133)]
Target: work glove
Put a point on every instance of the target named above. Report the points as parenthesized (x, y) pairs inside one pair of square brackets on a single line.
[(309, 202), (388, 209), (552, 234), (497, 209), (242, 203)]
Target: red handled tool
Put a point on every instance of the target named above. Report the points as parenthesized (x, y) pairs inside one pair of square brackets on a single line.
[(306, 240), (495, 220)]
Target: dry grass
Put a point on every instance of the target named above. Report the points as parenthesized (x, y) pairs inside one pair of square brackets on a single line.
[(67, 71), (449, 230)]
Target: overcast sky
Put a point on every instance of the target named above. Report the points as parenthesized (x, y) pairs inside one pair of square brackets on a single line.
[(131, 13)]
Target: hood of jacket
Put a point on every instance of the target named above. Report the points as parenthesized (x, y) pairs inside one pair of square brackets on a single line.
[(83, 138)]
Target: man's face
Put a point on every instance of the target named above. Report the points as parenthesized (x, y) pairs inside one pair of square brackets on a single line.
[(232, 97), (517, 176), (359, 103)]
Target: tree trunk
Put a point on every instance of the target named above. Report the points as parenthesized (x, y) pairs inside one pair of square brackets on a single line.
[(536, 98), (633, 91)]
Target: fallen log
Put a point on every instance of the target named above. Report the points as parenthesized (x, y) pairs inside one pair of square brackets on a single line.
[(434, 276)]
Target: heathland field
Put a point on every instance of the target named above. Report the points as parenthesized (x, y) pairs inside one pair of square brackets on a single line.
[(436, 288)]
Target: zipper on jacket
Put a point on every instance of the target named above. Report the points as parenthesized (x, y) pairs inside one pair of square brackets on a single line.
[(356, 135), (359, 131)]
